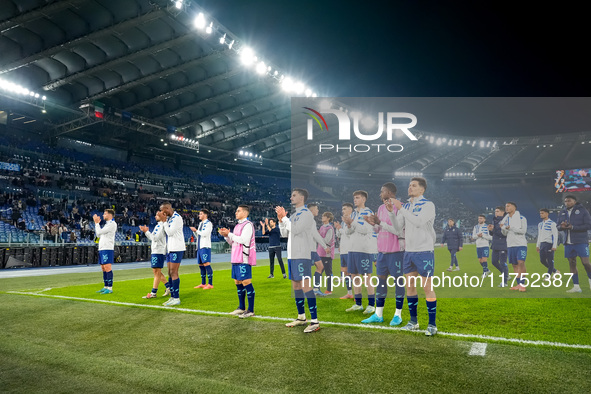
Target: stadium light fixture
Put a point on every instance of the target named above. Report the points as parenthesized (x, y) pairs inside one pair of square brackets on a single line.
[(231, 44), (200, 21), (299, 88), (223, 39), (488, 144), (247, 56), (287, 84), (261, 68), (482, 144), (209, 28), (438, 141), (461, 142), (178, 4)]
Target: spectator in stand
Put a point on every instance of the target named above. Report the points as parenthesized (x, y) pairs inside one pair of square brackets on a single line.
[(16, 215)]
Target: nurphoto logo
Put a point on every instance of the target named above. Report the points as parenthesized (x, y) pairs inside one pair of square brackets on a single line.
[(389, 125)]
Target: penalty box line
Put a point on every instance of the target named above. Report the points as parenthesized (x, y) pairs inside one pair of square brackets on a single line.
[(338, 324)]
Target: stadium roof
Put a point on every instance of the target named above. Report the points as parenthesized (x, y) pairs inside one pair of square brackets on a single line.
[(171, 65), (166, 62)]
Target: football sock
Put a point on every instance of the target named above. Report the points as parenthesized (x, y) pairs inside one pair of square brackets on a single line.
[(299, 298), (432, 309), (358, 299), (371, 300), (312, 304), (380, 311), (174, 289), (241, 297), (209, 271), (250, 295), (412, 307), (203, 274)]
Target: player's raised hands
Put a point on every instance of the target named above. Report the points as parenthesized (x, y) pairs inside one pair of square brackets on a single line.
[(280, 212), (396, 203), (389, 205), (376, 220), (224, 232), (96, 218), (348, 220), (144, 229)]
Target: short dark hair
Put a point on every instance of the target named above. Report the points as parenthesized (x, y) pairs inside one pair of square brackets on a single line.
[(245, 207), (482, 216), (312, 204), (274, 220), (206, 211), (500, 208), (390, 186), (545, 210), (329, 215), (512, 203), (451, 220), (348, 204), (166, 204), (303, 192), (360, 193), (421, 181), (571, 197), (110, 211)]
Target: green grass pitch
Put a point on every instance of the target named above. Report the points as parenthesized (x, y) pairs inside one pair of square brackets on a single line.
[(64, 345)]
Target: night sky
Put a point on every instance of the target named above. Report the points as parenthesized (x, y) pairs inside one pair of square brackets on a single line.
[(417, 48)]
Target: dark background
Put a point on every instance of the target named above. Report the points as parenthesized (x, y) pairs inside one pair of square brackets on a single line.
[(418, 48)]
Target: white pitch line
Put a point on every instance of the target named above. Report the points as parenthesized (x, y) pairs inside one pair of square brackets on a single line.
[(478, 349), (338, 324)]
